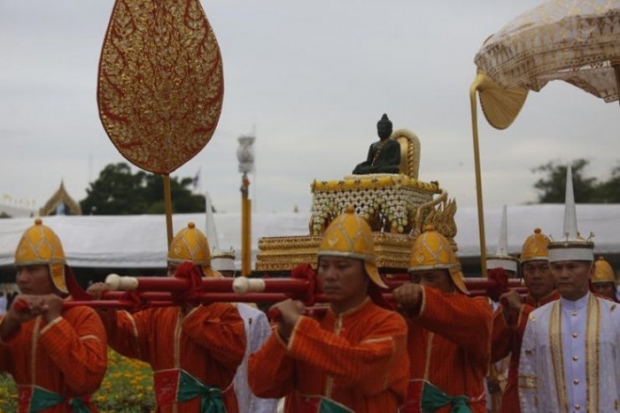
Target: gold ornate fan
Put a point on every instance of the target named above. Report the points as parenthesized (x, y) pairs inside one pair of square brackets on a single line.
[(160, 86)]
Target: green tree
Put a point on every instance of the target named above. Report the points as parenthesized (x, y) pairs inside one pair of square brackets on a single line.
[(588, 190), (118, 191), (608, 192), (552, 186)]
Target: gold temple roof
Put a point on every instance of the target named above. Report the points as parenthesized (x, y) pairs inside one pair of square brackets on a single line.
[(60, 196)]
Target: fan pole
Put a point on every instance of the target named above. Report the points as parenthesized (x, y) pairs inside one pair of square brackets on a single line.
[(474, 123), (168, 206)]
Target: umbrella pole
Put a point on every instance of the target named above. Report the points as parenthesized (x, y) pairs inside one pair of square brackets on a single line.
[(616, 65), (168, 206), (474, 123)]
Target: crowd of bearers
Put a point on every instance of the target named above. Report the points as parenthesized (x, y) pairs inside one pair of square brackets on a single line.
[(428, 351), (56, 356)]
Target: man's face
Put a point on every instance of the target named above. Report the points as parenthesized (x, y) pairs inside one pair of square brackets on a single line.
[(606, 289), (572, 278), (439, 279), (538, 278), (34, 280), (343, 280)]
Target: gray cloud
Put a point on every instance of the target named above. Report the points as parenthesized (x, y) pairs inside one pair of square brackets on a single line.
[(312, 77)]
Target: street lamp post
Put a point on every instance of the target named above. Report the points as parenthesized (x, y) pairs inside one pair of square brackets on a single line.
[(245, 155)]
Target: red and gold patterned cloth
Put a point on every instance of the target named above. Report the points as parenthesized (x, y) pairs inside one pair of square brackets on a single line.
[(357, 359)]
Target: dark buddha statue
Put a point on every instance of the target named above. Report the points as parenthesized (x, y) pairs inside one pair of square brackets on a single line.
[(383, 155)]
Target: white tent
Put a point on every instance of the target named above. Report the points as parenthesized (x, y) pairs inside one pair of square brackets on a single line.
[(140, 240)]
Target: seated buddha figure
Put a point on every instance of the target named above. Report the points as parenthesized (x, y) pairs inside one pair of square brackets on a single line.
[(383, 155)]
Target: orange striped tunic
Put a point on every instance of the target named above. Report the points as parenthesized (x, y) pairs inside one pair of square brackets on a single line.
[(208, 343), (67, 357), (449, 344), (357, 359), (507, 340)]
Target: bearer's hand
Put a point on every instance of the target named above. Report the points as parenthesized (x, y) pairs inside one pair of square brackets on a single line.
[(511, 302), (97, 290), (290, 311), (408, 295), (26, 307), (54, 307)]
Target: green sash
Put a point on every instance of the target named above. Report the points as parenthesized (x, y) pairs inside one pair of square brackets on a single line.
[(210, 397), (328, 406), (433, 399), (42, 399)]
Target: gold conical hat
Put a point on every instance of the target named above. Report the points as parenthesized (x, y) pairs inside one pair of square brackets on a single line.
[(535, 247), (432, 251), (41, 246), (349, 235), (603, 273), (190, 244)]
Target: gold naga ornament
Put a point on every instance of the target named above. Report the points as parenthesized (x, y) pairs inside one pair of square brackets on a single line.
[(160, 84)]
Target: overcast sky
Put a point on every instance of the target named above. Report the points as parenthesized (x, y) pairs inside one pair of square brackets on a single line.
[(312, 78)]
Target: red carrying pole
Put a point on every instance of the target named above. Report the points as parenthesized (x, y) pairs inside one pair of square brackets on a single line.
[(125, 283)]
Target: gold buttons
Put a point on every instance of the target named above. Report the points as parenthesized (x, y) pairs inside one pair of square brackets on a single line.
[(575, 358), (574, 313), (576, 382), (575, 335), (577, 406)]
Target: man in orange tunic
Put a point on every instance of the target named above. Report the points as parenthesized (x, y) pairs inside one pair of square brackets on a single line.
[(57, 357), (449, 332), (194, 351), (510, 319), (351, 359)]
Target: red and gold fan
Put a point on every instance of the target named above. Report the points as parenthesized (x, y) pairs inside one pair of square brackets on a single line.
[(160, 85)]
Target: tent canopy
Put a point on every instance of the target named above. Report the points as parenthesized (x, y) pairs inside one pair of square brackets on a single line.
[(139, 241)]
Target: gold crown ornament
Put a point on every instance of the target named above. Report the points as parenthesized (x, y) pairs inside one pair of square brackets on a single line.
[(572, 246), (603, 273), (502, 259), (349, 236), (40, 245), (223, 260), (190, 244), (432, 251), (535, 247)]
